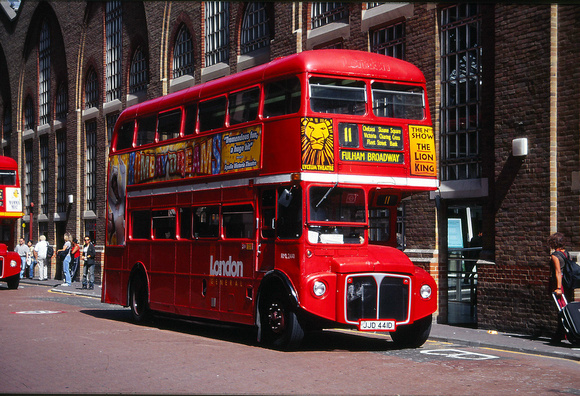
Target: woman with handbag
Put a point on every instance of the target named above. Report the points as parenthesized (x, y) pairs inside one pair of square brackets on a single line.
[(89, 267)]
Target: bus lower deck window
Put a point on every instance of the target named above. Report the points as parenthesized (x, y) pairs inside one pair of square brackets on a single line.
[(238, 221), (164, 224), (141, 224)]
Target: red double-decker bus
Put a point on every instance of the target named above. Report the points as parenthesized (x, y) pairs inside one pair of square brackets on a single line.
[(10, 211), (269, 198)]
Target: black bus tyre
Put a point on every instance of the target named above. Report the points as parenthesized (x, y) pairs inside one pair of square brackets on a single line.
[(413, 335), (280, 326), (138, 299), (13, 281)]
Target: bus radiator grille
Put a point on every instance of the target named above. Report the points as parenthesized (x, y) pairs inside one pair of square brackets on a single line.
[(364, 299)]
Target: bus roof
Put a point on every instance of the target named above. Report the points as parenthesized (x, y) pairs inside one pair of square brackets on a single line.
[(347, 63), (8, 163)]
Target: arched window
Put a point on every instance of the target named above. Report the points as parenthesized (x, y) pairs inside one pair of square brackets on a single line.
[(183, 53), (91, 89), (44, 74), (255, 30), (113, 29), (138, 77), (29, 113), (217, 18), (7, 124)]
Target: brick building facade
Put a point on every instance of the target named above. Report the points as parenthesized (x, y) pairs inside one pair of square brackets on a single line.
[(495, 73)]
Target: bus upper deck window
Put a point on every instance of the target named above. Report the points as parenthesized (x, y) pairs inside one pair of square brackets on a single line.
[(398, 101), (8, 177), (282, 97), (146, 130), (169, 125), (243, 106), (125, 135), (212, 114), (337, 96), (190, 119)]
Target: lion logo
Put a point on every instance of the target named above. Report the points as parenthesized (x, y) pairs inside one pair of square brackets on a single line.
[(317, 144)]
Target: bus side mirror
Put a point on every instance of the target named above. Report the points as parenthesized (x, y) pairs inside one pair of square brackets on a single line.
[(285, 198)]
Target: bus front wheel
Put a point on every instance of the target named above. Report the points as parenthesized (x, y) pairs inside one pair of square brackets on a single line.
[(279, 323), (413, 335), (13, 281), (138, 299)]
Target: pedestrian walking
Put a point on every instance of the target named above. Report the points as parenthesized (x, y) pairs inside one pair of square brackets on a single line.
[(89, 267), (64, 255), (556, 285), (22, 251), (40, 250), (30, 261)]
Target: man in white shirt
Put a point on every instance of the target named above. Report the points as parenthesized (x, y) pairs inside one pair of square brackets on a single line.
[(40, 253)]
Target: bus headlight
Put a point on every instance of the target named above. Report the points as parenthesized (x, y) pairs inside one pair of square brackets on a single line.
[(319, 288), (425, 292), (13, 263)]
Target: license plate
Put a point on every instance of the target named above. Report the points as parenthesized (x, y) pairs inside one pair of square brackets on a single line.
[(376, 325)]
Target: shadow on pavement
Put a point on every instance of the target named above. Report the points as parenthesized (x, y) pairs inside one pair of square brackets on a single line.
[(316, 341)]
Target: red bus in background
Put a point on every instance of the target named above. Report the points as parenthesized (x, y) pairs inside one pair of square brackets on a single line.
[(10, 211), (269, 198)]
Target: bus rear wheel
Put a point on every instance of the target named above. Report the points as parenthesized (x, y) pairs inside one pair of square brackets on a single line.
[(279, 324), (413, 335), (138, 299)]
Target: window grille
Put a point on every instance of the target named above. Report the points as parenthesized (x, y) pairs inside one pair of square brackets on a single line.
[(255, 30), (183, 53), (44, 74), (216, 32), (138, 78), (29, 113), (113, 28), (91, 158), (61, 171), (327, 12), (91, 89), (111, 120), (91, 229), (389, 41), (61, 102), (28, 158), (43, 228), (461, 92), (44, 177)]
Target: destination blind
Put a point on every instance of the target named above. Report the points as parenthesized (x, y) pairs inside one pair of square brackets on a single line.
[(382, 137)]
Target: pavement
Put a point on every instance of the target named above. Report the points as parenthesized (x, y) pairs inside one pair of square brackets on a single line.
[(439, 332)]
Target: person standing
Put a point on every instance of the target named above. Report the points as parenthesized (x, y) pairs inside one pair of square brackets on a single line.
[(40, 250), (556, 243), (75, 253), (64, 253), (30, 261), (22, 251), (89, 267)]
